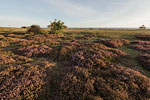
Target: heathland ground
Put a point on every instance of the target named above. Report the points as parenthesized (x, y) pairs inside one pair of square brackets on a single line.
[(76, 64)]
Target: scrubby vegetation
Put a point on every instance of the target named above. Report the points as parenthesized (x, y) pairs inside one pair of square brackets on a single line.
[(56, 26), (79, 64), (35, 29)]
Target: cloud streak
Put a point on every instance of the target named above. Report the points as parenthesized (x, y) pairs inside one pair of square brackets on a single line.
[(70, 9)]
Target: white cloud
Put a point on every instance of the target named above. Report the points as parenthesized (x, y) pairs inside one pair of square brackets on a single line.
[(71, 9), (129, 13)]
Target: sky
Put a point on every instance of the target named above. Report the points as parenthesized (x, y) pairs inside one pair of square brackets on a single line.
[(75, 13)]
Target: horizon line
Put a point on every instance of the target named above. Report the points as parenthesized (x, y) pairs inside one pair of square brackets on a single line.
[(68, 27)]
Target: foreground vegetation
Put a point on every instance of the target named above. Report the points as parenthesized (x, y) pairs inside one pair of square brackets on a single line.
[(76, 64)]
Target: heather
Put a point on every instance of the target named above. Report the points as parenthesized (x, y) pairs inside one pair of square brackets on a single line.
[(74, 64), (26, 81), (114, 43), (143, 37), (104, 82), (144, 59), (141, 46)]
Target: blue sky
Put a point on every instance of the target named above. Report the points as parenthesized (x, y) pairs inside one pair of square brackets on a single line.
[(75, 13)]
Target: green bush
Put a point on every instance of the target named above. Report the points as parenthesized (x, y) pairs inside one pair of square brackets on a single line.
[(24, 27), (56, 26), (35, 29)]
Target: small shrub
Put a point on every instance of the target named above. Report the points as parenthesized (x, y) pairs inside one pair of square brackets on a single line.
[(35, 29), (23, 27), (56, 26)]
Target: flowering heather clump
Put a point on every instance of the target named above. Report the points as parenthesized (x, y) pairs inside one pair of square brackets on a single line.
[(3, 44), (34, 51), (27, 42), (141, 42), (90, 35), (88, 58), (85, 37), (2, 37), (112, 82), (143, 37), (16, 35), (62, 52), (6, 60), (86, 54), (41, 39), (35, 42), (26, 82), (114, 42), (68, 38), (82, 38), (141, 45), (21, 59), (10, 40), (7, 41), (91, 58), (54, 35), (144, 59)]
